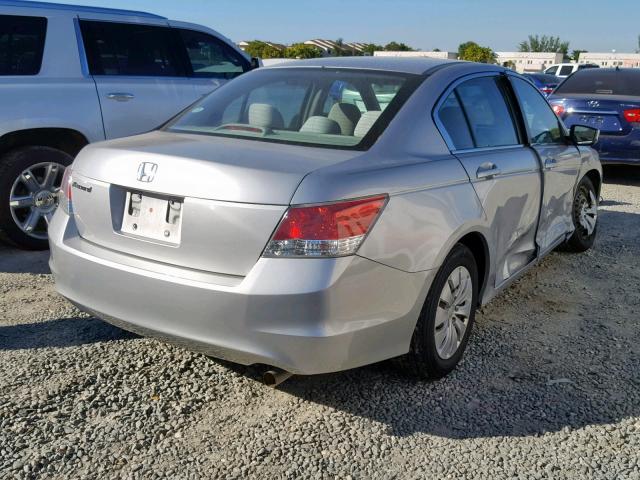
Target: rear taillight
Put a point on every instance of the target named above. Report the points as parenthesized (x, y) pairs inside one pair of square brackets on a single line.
[(558, 109), (325, 230), (64, 198), (547, 90), (633, 115)]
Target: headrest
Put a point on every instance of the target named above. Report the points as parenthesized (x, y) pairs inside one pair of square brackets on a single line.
[(347, 116), (265, 116), (319, 124), (366, 122)]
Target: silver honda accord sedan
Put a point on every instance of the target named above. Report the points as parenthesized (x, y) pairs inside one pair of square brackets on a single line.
[(326, 214)]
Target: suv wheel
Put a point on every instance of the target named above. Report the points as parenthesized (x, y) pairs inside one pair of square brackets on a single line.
[(30, 179), (445, 322)]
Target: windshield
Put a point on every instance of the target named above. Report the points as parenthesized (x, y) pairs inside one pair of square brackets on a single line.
[(603, 82), (343, 108)]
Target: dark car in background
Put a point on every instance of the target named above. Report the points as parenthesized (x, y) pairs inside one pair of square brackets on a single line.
[(608, 99), (544, 82)]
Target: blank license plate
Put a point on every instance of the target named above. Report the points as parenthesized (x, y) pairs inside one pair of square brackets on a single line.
[(153, 217)]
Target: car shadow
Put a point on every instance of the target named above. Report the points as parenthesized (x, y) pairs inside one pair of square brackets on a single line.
[(63, 332), (550, 353), (622, 175), (14, 260)]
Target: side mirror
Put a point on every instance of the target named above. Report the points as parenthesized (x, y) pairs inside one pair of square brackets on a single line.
[(255, 63), (583, 135)]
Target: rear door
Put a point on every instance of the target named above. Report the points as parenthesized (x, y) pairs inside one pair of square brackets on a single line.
[(139, 73), (560, 160), (210, 61), (482, 133)]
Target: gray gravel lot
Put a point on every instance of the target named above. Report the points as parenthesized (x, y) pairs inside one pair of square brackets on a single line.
[(549, 388)]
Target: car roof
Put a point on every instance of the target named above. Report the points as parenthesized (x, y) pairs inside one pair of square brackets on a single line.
[(76, 8), (395, 64)]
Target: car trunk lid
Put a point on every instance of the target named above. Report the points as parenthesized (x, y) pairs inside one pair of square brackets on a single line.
[(194, 201), (604, 112)]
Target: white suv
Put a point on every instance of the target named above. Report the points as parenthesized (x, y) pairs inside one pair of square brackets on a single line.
[(563, 70), (74, 75)]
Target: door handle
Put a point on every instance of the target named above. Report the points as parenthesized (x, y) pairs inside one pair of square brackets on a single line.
[(487, 170), (120, 96), (550, 162)]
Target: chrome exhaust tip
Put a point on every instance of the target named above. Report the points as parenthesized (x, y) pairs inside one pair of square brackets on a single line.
[(273, 378)]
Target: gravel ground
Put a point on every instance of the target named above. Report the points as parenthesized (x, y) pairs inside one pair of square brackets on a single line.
[(549, 388)]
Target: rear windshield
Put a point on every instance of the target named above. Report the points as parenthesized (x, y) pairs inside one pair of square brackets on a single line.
[(544, 78), (602, 82), (342, 108)]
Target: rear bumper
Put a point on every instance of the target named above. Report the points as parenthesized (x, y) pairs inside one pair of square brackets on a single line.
[(306, 316), (614, 149)]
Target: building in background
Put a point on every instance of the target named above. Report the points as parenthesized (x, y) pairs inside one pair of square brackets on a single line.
[(623, 60), (528, 62), (418, 53), (243, 44)]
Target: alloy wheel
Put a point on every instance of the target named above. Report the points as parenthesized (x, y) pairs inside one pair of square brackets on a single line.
[(34, 197), (588, 212)]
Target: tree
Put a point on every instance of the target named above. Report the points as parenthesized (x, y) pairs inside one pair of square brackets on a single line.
[(301, 50), (544, 43), (473, 52), (259, 49), (397, 47), (436, 50), (575, 55), (372, 47)]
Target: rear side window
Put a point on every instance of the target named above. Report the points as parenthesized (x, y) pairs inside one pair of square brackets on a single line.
[(211, 58), (131, 49), (21, 44), (602, 82), (454, 122), (487, 112), (566, 70)]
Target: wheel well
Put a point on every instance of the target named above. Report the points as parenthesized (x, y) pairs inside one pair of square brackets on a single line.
[(65, 139), (595, 178), (478, 245)]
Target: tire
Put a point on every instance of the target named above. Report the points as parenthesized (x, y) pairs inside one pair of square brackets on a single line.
[(425, 359), (28, 202), (584, 213)]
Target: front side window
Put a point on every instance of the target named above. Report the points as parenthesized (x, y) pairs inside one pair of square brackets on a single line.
[(317, 106), (486, 110), (21, 44), (210, 57), (551, 70), (130, 49), (542, 123)]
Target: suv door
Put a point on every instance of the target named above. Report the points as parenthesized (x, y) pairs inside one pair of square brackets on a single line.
[(560, 160), (139, 73), (210, 61), (477, 119)]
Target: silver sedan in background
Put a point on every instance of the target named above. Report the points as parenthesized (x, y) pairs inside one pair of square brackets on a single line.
[(326, 214)]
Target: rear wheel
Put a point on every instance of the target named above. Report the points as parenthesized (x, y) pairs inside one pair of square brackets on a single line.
[(30, 179), (585, 218), (445, 323)]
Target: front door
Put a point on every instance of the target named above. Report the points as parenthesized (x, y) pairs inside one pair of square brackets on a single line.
[(560, 161)]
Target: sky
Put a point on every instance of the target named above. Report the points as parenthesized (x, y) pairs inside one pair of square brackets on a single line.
[(597, 26)]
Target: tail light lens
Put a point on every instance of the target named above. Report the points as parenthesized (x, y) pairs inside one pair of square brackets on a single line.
[(558, 108), (633, 115), (547, 90), (64, 197), (325, 230)]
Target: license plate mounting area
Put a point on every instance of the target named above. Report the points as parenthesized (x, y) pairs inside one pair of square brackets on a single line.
[(153, 217)]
